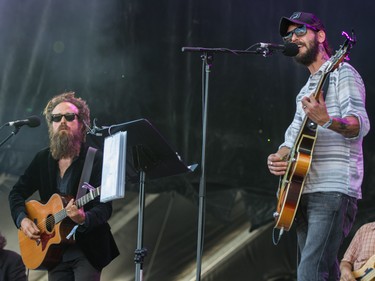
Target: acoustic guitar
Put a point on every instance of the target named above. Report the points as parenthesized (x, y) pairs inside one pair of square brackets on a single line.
[(300, 156), (54, 225)]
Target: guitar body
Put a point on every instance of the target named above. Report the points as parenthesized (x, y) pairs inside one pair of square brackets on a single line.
[(367, 271), (291, 186), (46, 252)]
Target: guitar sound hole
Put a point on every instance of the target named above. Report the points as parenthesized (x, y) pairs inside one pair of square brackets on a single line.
[(50, 223)]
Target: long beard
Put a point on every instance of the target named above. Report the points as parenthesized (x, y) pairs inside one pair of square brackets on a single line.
[(65, 143), (310, 56)]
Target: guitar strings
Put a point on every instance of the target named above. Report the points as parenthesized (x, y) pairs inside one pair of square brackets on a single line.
[(49, 221), (62, 214)]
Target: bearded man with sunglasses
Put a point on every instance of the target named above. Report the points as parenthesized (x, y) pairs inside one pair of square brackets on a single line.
[(58, 169), (328, 203)]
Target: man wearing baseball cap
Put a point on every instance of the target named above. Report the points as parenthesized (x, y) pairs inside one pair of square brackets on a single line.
[(328, 204)]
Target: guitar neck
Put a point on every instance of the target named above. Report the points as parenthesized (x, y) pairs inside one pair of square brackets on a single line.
[(91, 195), (319, 87), (88, 197), (308, 126)]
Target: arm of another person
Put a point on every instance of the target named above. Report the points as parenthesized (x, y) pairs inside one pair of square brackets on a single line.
[(352, 253), (346, 271), (16, 270)]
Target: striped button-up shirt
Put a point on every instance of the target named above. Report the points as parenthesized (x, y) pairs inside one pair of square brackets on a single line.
[(337, 162)]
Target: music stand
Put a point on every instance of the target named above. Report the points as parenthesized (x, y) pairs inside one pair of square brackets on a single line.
[(151, 155)]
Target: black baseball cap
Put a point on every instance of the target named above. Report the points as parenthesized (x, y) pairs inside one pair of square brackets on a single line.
[(310, 20)]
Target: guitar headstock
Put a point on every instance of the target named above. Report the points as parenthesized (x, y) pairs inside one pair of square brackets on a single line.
[(350, 42), (343, 52)]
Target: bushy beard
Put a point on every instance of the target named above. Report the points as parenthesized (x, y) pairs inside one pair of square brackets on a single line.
[(310, 56), (64, 143)]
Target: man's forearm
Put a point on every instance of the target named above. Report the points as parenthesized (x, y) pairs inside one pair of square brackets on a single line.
[(348, 127), (346, 271)]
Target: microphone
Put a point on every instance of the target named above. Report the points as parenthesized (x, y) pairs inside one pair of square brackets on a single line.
[(289, 49), (32, 121)]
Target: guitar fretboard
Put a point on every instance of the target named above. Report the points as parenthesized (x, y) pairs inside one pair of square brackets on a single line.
[(91, 195), (88, 197)]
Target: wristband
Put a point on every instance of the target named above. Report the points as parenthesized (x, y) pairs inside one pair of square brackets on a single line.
[(329, 123)]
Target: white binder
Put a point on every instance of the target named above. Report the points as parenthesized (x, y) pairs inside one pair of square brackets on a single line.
[(114, 167)]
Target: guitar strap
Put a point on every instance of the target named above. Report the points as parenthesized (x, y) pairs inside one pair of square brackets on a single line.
[(86, 172), (85, 177)]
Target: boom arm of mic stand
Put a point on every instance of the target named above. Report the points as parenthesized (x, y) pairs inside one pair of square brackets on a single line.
[(259, 51), (15, 131)]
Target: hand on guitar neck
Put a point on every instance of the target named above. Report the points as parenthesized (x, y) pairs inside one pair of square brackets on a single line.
[(315, 109), (277, 163), (75, 214)]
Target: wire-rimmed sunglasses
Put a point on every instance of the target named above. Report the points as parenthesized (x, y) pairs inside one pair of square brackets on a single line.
[(298, 31), (69, 117)]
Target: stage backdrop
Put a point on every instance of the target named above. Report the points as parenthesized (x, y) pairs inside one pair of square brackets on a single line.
[(124, 57)]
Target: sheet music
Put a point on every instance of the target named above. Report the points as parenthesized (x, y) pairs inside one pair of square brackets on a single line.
[(114, 165)]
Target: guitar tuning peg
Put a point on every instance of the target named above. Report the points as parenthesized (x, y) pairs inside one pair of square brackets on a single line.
[(351, 39)]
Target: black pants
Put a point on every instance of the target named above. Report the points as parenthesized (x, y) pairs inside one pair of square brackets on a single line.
[(78, 269)]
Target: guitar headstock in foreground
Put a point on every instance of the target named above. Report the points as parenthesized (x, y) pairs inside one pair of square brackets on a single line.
[(343, 52)]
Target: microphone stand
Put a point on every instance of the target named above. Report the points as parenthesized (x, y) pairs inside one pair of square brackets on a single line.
[(15, 131), (207, 58), (265, 51), (207, 62)]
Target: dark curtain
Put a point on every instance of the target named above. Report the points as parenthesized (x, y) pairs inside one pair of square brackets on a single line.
[(124, 57)]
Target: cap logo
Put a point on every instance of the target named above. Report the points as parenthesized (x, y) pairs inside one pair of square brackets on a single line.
[(295, 15)]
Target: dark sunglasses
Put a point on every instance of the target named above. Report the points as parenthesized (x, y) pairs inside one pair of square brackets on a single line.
[(298, 31), (68, 117)]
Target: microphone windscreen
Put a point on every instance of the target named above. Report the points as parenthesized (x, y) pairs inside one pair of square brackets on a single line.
[(291, 49), (34, 121)]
